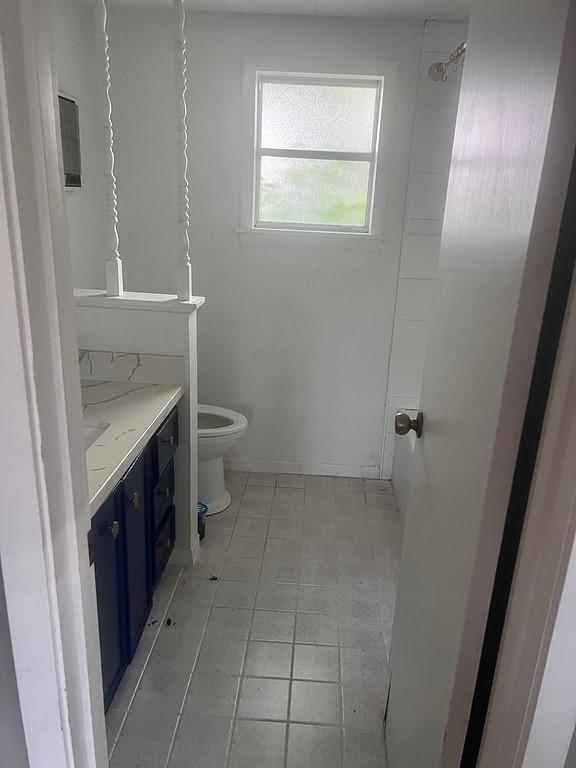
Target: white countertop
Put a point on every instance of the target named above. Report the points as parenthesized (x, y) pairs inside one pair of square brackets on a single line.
[(134, 412)]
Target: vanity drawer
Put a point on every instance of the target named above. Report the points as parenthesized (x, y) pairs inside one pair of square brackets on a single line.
[(163, 494), (166, 442), (164, 544)]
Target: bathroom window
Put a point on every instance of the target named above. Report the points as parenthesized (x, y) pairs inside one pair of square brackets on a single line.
[(315, 151)]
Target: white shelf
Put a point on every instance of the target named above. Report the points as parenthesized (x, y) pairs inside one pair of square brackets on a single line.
[(155, 302)]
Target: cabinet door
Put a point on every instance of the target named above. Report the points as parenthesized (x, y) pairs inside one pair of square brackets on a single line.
[(137, 543), (107, 543)]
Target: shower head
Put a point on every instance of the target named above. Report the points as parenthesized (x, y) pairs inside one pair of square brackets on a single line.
[(439, 70)]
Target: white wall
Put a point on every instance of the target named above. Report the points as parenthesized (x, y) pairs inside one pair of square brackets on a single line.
[(81, 76), (298, 338), (142, 51), (434, 123), (555, 715), (12, 741)]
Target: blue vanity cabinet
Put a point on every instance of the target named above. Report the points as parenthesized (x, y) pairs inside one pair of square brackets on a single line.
[(131, 539), (136, 503), (164, 445), (107, 539)]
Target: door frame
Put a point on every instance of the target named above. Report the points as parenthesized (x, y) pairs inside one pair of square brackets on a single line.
[(544, 537), (43, 548), (46, 425)]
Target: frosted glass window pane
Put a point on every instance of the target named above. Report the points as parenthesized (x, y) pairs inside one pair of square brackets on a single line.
[(321, 117), (302, 191)]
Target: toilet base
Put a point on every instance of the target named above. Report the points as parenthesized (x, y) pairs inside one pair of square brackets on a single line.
[(211, 488)]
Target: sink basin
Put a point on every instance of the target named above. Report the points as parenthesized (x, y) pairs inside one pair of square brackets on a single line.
[(92, 432)]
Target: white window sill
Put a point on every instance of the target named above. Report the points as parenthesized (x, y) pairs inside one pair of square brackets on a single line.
[(285, 238)]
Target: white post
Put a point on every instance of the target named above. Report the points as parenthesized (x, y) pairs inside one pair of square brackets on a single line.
[(114, 280), (184, 271)]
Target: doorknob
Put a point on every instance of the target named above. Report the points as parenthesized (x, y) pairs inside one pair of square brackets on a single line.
[(403, 423)]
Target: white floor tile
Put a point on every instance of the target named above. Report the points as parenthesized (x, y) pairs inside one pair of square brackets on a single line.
[(201, 738), (313, 599), (280, 571), (241, 568), (364, 748), (314, 745), (232, 623), (277, 597), (316, 629), (315, 702), (263, 699), (221, 656), (316, 662), (235, 594), (290, 481), (145, 737), (269, 659), (292, 495), (258, 745), (262, 478), (211, 696), (246, 546), (251, 508), (258, 493), (364, 706), (251, 526), (273, 625)]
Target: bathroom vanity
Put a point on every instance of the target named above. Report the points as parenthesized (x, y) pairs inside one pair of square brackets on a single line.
[(130, 461)]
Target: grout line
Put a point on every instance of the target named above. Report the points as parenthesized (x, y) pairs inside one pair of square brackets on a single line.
[(321, 723), (147, 659), (290, 685)]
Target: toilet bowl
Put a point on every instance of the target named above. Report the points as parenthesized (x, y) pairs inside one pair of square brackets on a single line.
[(218, 430)]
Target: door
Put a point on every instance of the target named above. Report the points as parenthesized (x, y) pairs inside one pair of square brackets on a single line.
[(107, 544), (137, 542), (513, 147)]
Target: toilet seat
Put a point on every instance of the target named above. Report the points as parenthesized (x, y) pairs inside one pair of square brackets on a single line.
[(224, 421)]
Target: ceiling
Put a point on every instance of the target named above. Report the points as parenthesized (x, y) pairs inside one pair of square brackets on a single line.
[(400, 9)]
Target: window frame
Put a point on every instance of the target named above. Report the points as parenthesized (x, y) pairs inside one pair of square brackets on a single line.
[(371, 157), (252, 231)]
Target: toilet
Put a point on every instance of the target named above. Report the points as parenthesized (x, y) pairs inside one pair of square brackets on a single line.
[(218, 430)]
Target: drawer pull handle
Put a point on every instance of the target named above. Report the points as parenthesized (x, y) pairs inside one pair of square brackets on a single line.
[(134, 499), (114, 529), (171, 441)]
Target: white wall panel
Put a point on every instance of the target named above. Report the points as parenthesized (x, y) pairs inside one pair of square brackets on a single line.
[(420, 256)]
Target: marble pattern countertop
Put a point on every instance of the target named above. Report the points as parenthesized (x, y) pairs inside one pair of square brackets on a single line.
[(133, 412)]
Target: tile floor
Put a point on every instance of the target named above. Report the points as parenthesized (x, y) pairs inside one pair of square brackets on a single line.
[(271, 652)]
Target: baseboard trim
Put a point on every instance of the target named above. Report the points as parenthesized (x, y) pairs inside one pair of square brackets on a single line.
[(302, 468), (184, 557)]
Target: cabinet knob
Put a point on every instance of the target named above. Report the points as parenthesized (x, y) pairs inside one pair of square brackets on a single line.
[(134, 499), (169, 441), (114, 529)]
